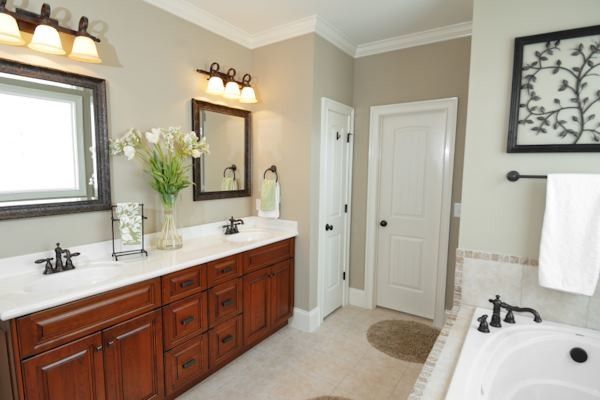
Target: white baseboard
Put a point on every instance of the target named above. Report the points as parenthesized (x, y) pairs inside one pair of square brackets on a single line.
[(358, 298), (307, 321)]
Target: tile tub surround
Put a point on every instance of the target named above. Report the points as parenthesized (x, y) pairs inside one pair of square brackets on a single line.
[(484, 275), (336, 360), (202, 244)]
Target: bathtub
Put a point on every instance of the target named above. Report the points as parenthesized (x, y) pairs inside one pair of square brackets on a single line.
[(526, 361)]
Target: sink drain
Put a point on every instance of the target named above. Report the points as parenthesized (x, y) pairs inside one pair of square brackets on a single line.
[(579, 355)]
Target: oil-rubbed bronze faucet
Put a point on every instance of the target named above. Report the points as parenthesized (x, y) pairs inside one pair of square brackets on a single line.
[(58, 265), (232, 228)]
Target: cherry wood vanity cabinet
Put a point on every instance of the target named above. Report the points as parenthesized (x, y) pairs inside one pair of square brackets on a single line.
[(151, 340)]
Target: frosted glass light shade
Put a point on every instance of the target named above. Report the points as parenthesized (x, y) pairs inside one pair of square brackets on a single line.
[(248, 95), (84, 49), (215, 86), (46, 40), (9, 31), (232, 90)]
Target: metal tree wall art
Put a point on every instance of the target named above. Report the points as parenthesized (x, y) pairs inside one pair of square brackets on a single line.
[(556, 92)]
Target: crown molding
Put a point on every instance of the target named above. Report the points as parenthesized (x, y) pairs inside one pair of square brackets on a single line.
[(441, 34), (194, 14), (283, 32), (312, 24), (334, 36)]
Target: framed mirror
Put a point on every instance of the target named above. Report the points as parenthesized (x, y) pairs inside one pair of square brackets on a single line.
[(54, 155), (225, 172)]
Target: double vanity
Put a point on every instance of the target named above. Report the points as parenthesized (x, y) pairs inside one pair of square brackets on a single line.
[(144, 328)]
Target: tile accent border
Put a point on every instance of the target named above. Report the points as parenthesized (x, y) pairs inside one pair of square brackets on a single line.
[(434, 355)]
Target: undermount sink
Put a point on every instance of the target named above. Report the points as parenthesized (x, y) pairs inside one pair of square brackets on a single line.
[(75, 279), (247, 236)]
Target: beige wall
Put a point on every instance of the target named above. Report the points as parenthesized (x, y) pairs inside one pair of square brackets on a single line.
[(500, 216), (282, 131), (149, 65), (291, 78), (428, 72)]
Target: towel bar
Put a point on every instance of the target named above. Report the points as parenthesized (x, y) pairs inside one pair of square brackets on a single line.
[(514, 176)]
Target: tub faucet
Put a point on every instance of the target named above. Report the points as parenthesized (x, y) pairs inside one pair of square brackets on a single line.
[(510, 317), (496, 323)]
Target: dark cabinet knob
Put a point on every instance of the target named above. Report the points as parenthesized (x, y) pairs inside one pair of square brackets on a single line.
[(328, 227), (383, 223)]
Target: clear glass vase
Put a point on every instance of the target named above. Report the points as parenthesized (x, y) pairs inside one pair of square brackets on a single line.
[(169, 239)]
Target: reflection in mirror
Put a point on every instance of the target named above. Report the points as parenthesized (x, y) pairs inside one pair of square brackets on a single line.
[(225, 171), (54, 133)]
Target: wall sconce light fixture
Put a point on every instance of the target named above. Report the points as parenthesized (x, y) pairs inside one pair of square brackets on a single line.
[(46, 38), (225, 84), (9, 29)]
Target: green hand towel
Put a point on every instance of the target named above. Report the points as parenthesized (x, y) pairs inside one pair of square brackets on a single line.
[(227, 184), (268, 200)]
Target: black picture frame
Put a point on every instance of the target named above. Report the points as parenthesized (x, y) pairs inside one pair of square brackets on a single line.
[(98, 87), (521, 75), (197, 107)]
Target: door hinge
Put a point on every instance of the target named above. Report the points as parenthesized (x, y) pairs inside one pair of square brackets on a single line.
[(346, 208), (348, 137), (344, 275), (337, 136)]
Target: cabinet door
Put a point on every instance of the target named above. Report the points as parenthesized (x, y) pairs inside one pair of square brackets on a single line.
[(282, 293), (71, 372), (133, 359), (257, 306)]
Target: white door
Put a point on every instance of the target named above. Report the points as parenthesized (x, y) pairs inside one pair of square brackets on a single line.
[(335, 172), (413, 157)]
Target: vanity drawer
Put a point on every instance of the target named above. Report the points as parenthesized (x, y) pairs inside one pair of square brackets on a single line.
[(181, 284), (184, 319), (224, 302), (268, 255), (225, 341), (47, 329), (222, 270), (186, 363)]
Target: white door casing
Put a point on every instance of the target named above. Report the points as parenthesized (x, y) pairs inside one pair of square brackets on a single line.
[(335, 181), (411, 157)]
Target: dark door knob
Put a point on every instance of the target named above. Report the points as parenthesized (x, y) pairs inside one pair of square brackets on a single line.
[(383, 223), (328, 227)]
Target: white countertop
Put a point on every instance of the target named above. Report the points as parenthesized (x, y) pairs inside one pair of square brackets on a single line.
[(203, 243)]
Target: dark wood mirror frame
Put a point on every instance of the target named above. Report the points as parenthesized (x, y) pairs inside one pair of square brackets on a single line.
[(197, 107), (98, 87)]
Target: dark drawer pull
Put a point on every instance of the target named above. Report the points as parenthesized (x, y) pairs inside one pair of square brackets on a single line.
[(227, 270), (227, 303), (186, 284), (227, 339), (189, 363), (187, 321)]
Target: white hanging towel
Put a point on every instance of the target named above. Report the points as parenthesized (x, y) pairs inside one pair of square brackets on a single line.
[(275, 212), (570, 245)]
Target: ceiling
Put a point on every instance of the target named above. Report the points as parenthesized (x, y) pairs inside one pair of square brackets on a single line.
[(351, 24)]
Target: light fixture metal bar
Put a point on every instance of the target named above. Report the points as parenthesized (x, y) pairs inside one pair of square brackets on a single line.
[(28, 21), (224, 76)]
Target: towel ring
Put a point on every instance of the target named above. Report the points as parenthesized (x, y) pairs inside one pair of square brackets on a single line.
[(272, 169), (233, 168)]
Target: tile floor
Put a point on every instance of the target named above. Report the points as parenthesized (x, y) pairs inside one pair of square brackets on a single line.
[(336, 360)]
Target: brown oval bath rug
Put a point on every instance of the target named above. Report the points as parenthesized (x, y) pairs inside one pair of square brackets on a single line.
[(330, 398), (405, 340)]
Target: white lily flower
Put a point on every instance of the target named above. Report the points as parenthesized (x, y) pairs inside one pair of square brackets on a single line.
[(153, 136), (196, 153), (129, 152)]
